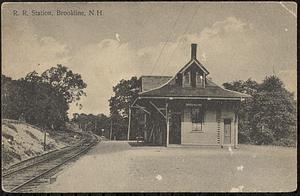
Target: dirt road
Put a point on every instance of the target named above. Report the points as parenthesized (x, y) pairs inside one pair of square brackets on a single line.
[(118, 167)]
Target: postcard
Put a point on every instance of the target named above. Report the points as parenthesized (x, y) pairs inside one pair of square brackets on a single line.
[(149, 97)]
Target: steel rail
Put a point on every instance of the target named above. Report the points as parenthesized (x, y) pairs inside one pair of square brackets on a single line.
[(8, 173), (10, 170), (51, 169), (32, 158), (75, 148)]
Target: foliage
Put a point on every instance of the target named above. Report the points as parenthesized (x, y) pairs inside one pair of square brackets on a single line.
[(42, 105), (69, 84), (93, 123), (42, 100), (249, 87), (269, 117), (11, 100), (125, 92)]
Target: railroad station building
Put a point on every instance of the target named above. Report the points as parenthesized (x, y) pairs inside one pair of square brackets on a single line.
[(187, 108)]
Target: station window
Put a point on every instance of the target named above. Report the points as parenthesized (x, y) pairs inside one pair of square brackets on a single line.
[(199, 79), (197, 118), (187, 79)]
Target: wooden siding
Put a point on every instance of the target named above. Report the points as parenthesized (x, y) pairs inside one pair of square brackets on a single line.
[(218, 119), (206, 137), (228, 113), (213, 127)]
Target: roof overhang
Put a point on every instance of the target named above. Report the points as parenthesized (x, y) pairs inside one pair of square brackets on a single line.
[(195, 98)]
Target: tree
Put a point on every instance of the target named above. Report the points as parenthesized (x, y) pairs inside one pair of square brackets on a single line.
[(42, 105), (69, 84), (249, 87), (125, 92), (50, 94), (94, 123), (269, 117), (44, 99), (33, 77), (273, 112), (11, 99)]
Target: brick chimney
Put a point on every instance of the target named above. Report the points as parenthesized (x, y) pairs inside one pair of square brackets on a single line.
[(194, 51)]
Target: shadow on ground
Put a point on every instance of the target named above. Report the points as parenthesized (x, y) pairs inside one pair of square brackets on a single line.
[(141, 144)]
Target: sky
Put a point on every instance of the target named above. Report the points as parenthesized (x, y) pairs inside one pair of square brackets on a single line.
[(236, 41)]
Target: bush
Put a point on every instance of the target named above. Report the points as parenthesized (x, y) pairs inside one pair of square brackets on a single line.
[(264, 137), (289, 142), (269, 117), (243, 138)]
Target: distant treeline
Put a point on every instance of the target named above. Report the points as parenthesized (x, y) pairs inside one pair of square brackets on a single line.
[(41, 100), (99, 124), (113, 127)]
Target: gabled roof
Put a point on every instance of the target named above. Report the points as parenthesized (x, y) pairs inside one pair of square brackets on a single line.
[(197, 63), (170, 89), (211, 90)]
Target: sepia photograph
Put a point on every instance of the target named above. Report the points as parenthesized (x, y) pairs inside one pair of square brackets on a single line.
[(102, 97)]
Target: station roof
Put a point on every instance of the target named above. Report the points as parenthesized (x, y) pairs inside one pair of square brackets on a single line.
[(211, 90), (166, 86)]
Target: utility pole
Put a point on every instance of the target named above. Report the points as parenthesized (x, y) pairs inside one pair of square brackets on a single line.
[(129, 119), (44, 138), (110, 133), (168, 124)]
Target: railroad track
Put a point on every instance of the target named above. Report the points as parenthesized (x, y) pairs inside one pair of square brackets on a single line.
[(26, 177)]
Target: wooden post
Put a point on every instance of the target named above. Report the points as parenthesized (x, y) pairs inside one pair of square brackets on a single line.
[(151, 134), (110, 133), (204, 79), (222, 131), (129, 119), (44, 139), (168, 127), (236, 131)]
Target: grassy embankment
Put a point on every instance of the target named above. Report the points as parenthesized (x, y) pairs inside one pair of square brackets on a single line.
[(21, 141)]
